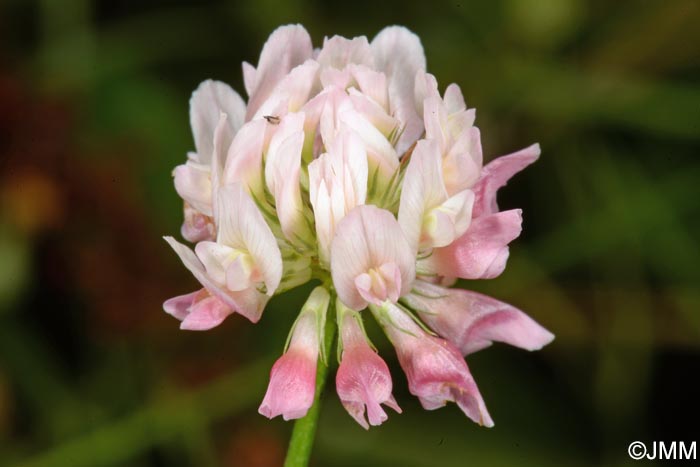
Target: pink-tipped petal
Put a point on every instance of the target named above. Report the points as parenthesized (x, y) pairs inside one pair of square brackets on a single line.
[(482, 252), (496, 174), (198, 311), (197, 227), (179, 307), (292, 386), (366, 239), (435, 370), (363, 380), (293, 376), (472, 321), (249, 303), (206, 314)]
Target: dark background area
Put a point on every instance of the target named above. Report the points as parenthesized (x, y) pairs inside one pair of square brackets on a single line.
[(94, 116)]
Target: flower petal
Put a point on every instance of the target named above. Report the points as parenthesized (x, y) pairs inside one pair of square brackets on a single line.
[(338, 52), (206, 314), (496, 174), (473, 321), (423, 189), (435, 370), (179, 306), (482, 252), (193, 184), (242, 227), (287, 47), (367, 238), (292, 385), (249, 303), (207, 102), (244, 157), (292, 92), (363, 379), (399, 54), (293, 377)]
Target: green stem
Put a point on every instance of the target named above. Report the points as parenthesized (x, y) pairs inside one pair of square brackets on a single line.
[(304, 431)]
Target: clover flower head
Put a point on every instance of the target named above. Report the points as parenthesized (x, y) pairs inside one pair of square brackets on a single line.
[(346, 165)]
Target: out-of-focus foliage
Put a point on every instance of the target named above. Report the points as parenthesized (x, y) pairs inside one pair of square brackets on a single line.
[(93, 117)]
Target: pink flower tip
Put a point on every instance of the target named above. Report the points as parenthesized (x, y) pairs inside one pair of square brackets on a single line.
[(292, 386), (363, 381), (198, 311)]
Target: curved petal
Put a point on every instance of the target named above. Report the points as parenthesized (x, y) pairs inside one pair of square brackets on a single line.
[(423, 189), (242, 227), (482, 252), (363, 381), (461, 165), (472, 321), (197, 226), (244, 157), (249, 303), (450, 220), (206, 314), (496, 174), (193, 184), (381, 156), (435, 370), (366, 239), (399, 54), (372, 83), (454, 101), (179, 306), (207, 102), (292, 385), (292, 92), (293, 376), (338, 52), (287, 47)]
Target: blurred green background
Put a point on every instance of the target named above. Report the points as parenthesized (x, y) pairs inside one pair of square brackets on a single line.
[(94, 116)]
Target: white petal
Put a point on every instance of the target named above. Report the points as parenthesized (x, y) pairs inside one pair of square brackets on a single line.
[(454, 101), (372, 84), (287, 47), (250, 306), (215, 258), (248, 78), (452, 218), (206, 104), (423, 189), (338, 52), (193, 184), (244, 157), (292, 92), (367, 238), (242, 227), (381, 155), (399, 54)]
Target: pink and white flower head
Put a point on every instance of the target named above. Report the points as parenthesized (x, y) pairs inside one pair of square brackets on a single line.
[(348, 166)]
